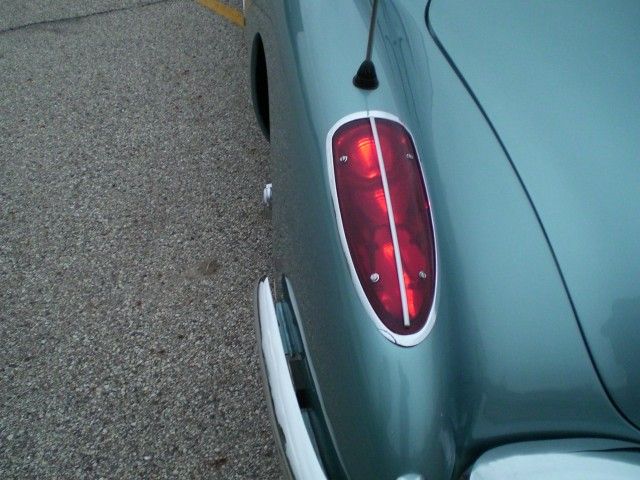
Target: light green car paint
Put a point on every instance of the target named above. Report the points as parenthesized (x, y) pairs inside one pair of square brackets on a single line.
[(506, 361), (561, 84)]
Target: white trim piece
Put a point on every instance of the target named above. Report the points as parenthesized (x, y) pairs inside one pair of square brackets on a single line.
[(402, 340), (298, 447), (392, 224)]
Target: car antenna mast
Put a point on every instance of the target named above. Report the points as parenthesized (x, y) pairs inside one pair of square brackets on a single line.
[(366, 77)]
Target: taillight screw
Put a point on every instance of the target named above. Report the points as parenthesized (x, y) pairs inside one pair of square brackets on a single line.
[(374, 277), (344, 159), (409, 156), (422, 275)]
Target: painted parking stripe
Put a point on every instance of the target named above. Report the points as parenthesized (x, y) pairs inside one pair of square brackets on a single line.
[(232, 14)]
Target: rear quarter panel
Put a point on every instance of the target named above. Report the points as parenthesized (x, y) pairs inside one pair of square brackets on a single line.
[(505, 359)]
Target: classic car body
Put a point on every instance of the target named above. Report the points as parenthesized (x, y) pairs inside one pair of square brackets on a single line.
[(526, 120)]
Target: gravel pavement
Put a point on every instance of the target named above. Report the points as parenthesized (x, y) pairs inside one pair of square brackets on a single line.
[(131, 238)]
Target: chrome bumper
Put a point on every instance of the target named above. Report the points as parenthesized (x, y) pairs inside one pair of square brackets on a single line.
[(295, 444)]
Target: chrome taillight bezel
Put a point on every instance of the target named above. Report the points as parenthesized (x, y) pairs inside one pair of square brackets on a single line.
[(407, 340)]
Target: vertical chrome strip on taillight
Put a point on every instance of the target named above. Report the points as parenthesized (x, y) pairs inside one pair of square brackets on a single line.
[(392, 224)]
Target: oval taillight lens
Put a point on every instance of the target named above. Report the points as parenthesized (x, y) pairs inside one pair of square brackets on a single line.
[(385, 215)]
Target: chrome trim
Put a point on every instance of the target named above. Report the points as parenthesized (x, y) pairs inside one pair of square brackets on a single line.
[(392, 223), (402, 340), (298, 451), (296, 313), (267, 194)]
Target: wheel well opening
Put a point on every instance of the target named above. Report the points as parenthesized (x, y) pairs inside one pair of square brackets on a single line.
[(260, 85)]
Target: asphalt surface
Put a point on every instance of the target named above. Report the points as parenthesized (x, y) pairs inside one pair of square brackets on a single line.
[(131, 238)]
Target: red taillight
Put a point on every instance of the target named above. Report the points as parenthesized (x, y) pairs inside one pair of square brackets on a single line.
[(392, 250)]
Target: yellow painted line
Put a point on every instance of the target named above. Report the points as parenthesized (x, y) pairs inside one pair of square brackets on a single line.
[(232, 14)]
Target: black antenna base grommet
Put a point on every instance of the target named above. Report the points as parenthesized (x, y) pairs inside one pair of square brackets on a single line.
[(366, 77)]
